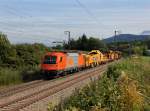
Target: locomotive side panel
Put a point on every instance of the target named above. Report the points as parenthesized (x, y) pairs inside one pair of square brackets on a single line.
[(75, 61), (72, 60)]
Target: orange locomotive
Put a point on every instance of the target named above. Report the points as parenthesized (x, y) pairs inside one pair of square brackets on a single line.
[(57, 63)]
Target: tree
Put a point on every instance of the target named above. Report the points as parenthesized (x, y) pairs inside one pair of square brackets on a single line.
[(58, 47), (95, 43), (30, 54), (20, 55), (86, 44), (7, 53)]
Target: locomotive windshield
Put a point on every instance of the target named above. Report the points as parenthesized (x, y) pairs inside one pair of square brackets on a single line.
[(50, 60)]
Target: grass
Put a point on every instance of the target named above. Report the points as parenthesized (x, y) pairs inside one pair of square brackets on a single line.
[(124, 87), (137, 69), (9, 76)]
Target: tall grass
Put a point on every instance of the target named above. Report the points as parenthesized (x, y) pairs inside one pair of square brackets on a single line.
[(124, 87), (137, 69), (9, 76)]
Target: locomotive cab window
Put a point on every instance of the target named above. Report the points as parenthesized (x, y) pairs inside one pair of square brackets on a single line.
[(50, 60)]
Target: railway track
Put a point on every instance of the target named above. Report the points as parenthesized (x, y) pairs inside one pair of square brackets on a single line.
[(25, 86), (30, 93), (18, 88)]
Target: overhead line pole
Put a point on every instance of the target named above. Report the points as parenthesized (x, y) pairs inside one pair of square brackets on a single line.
[(69, 37), (115, 39)]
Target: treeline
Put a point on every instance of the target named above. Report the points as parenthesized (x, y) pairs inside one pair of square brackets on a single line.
[(20, 55), (86, 44), (89, 43), (130, 48)]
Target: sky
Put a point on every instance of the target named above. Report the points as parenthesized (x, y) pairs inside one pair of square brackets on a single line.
[(45, 21)]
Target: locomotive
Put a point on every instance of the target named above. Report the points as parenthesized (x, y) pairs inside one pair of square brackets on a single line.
[(58, 63)]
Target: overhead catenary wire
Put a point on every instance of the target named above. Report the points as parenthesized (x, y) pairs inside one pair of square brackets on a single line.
[(13, 12), (89, 12), (21, 29), (11, 28), (22, 16)]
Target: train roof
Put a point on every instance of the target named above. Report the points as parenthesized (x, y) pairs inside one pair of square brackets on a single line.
[(67, 51)]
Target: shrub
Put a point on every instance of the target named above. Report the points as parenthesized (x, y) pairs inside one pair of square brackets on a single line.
[(113, 72), (30, 74)]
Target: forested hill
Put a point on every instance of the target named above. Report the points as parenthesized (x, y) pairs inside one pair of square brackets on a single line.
[(127, 38)]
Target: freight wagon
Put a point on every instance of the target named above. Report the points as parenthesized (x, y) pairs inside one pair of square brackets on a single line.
[(95, 58)]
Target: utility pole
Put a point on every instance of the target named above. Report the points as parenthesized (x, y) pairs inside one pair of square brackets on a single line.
[(115, 39), (115, 36), (69, 37)]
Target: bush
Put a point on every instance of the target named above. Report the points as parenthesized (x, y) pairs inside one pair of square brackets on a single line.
[(105, 95), (31, 74), (113, 72)]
